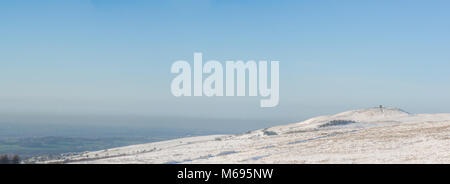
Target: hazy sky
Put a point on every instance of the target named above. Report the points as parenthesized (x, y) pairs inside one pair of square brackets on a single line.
[(114, 56)]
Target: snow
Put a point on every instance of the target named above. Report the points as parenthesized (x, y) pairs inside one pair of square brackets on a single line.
[(376, 135)]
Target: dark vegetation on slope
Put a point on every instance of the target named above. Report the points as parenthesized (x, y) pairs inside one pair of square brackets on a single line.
[(337, 123), (5, 159)]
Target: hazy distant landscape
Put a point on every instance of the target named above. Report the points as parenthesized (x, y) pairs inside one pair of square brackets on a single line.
[(33, 146), (30, 136)]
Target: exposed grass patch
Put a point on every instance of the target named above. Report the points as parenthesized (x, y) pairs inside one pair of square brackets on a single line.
[(337, 123)]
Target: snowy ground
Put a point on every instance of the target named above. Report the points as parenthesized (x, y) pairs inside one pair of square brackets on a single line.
[(362, 136)]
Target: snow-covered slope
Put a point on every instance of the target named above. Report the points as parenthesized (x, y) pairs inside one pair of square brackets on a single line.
[(377, 135)]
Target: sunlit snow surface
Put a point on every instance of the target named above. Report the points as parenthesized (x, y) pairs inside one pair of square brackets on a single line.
[(378, 135)]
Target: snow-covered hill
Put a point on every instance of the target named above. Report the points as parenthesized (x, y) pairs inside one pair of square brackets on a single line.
[(376, 135)]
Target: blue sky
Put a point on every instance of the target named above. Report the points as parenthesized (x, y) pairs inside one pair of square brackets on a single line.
[(114, 57)]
